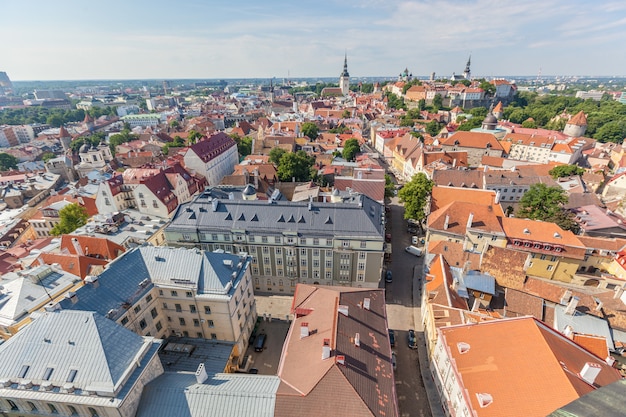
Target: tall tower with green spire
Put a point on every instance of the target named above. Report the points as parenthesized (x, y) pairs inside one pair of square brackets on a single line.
[(344, 78)]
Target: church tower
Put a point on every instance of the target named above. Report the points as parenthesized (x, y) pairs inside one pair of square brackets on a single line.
[(344, 78), (467, 74)]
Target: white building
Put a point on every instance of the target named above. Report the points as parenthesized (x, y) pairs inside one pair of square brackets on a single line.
[(143, 120), (213, 158)]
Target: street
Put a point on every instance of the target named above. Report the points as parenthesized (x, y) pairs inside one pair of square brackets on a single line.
[(412, 399)]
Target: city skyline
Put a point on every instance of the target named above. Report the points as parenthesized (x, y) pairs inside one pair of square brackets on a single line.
[(153, 40)]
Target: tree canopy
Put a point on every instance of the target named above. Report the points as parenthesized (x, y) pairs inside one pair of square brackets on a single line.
[(295, 166), (562, 171), (547, 203), (415, 195), (123, 137), (275, 155), (309, 129), (350, 148), (7, 162), (390, 187), (244, 144), (71, 218)]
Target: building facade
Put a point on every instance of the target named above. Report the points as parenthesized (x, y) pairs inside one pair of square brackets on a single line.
[(290, 242)]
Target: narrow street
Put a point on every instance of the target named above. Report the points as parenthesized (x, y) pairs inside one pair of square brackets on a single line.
[(412, 399)]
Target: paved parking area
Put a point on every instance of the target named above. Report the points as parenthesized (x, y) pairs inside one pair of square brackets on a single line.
[(267, 361)]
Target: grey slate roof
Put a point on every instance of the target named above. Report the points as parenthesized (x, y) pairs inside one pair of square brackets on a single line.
[(132, 275), (603, 402), (358, 216), (222, 395), (583, 323), (98, 349)]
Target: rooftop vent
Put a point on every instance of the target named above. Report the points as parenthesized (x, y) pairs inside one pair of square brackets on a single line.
[(343, 309), (463, 347), (557, 235), (484, 399), (341, 359), (357, 340), (526, 231), (366, 303)]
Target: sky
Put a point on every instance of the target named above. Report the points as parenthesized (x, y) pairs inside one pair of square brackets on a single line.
[(158, 39)]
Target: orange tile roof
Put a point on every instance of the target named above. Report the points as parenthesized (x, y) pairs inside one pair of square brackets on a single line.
[(579, 119), (539, 231), (74, 264), (439, 285), (92, 246), (472, 140), (526, 367), (453, 254), (458, 213), (366, 373), (442, 196), (594, 344)]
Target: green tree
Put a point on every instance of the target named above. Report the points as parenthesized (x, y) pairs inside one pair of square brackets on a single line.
[(612, 132), (395, 102), (390, 187), (193, 136), (346, 114), (309, 129), (469, 124), (47, 156), (7, 162), (437, 102), (275, 155), (55, 120), (415, 195), (433, 127), (489, 88), (479, 112), (244, 145), (350, 148), (295, 166), (177, 143), (529, 124), (562, 171), (71, 217), (546, 203), (174, 124)]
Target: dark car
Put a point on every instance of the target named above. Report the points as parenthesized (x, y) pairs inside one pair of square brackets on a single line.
[(394, 361), (392, 338), (259, 342), (253, 371), (412, 339), (388, 276)]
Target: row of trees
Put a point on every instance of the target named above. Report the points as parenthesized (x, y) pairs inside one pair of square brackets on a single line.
[(53, 116)]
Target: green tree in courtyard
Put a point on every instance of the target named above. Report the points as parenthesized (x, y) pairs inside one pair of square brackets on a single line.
[(350, 148), (7, 162), (71, 218)]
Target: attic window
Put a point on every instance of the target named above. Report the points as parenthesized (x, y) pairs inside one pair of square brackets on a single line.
[(228, 217), (47, 374), (328, 220), (291, 219), (281, 219), (301, 219), (72, 375), (241, 217), (484, 399), (24, 371), (254, 218)]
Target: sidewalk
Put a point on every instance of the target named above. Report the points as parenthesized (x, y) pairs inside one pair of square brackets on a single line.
[(431, 392)]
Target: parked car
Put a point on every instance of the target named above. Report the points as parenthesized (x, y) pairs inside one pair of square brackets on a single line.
[(388, 276), (394, 360), (413, 250), (253, 371), (392, 338), (412, 339), (259, 342)]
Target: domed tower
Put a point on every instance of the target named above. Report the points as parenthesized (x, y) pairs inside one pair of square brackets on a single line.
[(65, 138), (490, 122), (344, 79), (576, 126)]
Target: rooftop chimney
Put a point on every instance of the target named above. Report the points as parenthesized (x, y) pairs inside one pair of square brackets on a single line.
[(93, 280), (79, 249), (445, 223), (304, 330), (590, 371), (571, 307), (326, 349), (470, 220), (72, 297), (366, 303), (565, 298), (618, 292), (341, 359), (357, 340), (201, 374), (497, 198)]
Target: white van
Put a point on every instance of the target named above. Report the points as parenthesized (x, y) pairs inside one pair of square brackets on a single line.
[(413, 250)]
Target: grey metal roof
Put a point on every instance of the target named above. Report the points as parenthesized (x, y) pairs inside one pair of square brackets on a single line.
[(132, 275), (582, 323), (358, 216), (99, 350), (480, 282), (22, 292), (222, 395)]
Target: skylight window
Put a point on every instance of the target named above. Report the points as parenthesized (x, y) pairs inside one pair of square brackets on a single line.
[(24, 371), (72, 375), (47, 374)]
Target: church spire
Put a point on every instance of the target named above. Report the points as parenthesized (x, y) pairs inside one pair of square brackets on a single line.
[(345, 66)]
